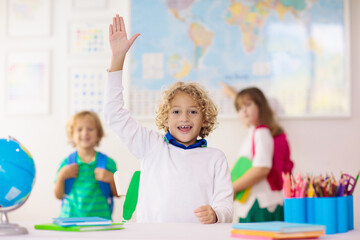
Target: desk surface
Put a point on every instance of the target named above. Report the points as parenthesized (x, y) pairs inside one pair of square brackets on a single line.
[(155, 231)]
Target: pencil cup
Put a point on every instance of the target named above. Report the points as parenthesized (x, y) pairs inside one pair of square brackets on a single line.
[(310, 210), (328, 214), (342, 214), (318, 211), (336, 213), (295, 210), (350, 208)]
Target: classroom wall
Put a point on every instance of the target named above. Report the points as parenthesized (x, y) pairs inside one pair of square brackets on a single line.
[(318, 145)]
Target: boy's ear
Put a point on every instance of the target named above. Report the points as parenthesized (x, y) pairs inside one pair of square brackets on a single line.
[(166, 124), (204, 124)]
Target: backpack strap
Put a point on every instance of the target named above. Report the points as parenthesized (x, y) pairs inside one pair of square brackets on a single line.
[(70, 181), (253, 138), (101, 162), (281, 161)]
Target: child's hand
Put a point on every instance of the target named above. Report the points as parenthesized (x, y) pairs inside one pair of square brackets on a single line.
[(69, 171), (103, 175), (118, 38), (228, 90), (206, 214)]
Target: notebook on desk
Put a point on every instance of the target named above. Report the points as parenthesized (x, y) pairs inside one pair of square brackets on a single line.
[(253, 234), (81, 221), (55, 227), (280, 227), (276, 230)]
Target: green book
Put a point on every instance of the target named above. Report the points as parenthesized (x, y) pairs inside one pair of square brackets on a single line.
[(242, 165), (55, 227)]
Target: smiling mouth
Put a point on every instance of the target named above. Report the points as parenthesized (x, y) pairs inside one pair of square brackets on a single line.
[(185, 128)]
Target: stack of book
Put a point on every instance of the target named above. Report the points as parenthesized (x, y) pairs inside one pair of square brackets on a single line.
[(80, 224), (276, 230)]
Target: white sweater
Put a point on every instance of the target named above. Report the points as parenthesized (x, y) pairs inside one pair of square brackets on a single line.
[(173, 181)]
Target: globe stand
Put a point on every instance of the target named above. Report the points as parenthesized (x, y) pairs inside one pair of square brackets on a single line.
[(7, 228)]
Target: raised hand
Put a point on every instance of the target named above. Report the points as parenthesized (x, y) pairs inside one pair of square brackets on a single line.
[(206, 214), (228, 90), (119, 42)]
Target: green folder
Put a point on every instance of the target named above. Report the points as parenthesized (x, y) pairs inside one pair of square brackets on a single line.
[(242, 165), (55, 227), (131, 196)]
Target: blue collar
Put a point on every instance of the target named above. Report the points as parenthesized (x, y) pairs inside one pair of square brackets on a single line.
[(199, 143)]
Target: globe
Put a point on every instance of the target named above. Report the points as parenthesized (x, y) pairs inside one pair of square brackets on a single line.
[(17, 176)]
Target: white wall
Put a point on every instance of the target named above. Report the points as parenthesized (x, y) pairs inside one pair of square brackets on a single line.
[(318, 145)]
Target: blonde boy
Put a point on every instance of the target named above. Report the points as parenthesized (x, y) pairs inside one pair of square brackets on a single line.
[(182, 180), (85, 181)]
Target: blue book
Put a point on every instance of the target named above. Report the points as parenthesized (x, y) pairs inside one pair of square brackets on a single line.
[(280, 227), (81, 221)]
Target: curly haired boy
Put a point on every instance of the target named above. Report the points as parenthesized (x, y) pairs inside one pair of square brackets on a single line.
[(182, 180)]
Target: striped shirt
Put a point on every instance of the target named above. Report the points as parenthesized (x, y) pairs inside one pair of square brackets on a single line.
[(85, 198)]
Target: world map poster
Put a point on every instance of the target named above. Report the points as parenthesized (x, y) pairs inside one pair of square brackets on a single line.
[(296, 51)]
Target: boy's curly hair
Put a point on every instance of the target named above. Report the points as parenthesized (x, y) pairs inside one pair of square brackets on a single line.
[(72, 122), (206, 105)]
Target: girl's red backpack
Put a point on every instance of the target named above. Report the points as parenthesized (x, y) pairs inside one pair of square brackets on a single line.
[(281, 159)]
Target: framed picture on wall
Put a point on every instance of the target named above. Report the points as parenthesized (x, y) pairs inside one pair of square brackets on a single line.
[(89, 4), (89, 38), (27, 83), (29, 18), (86, 88)]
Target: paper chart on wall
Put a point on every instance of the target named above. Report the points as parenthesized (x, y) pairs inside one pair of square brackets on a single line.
[(29, 17), (89, 38), (87, 89), (27, 83)]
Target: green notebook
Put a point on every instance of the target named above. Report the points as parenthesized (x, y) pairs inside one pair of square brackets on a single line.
[(131, 196), (241, 166), (55, 227)]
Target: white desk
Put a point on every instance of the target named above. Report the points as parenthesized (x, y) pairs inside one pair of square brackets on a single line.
[(154, 231)]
